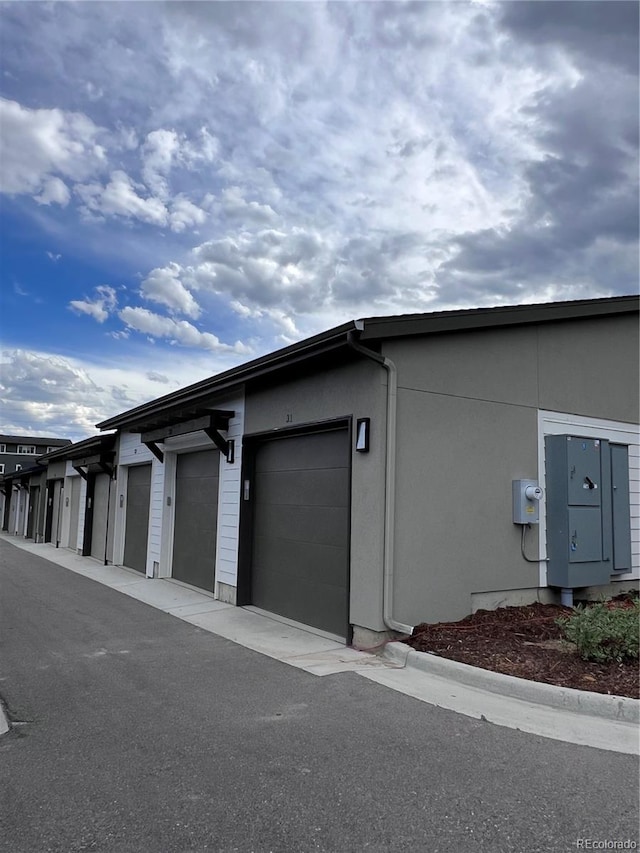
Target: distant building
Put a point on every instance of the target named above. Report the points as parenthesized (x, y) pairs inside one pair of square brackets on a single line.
[(21, 451), (18, 452)]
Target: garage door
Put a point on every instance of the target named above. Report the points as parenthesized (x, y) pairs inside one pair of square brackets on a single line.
[(137, 518), (196, 518), (74, 510), (300, 559), (34, 496), (100, 512), (56, 514)]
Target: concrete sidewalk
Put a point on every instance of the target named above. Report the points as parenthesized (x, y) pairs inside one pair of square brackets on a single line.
[(562, 714)]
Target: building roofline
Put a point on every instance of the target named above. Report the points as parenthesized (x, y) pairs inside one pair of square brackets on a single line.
[(378, 329), (439, 322), (80, 448), (36, 439), (235, 376), (24, 472)]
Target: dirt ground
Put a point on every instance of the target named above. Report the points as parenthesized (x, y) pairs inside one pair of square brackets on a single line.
[(527, 643)]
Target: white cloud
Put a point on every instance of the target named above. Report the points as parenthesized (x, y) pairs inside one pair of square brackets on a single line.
[(120, 198), (323, 161), (54, 191), (38, 144), (164, 150), (45, 393), (185, 214), (289, 332), (158, 153), (163, 286), (100, 307), (50, 393), (252, 212), (176, 331)]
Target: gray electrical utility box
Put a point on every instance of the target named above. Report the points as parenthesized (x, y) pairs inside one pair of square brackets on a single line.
[(587, 505)]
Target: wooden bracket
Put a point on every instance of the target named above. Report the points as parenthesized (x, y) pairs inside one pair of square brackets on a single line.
[(153, 447)]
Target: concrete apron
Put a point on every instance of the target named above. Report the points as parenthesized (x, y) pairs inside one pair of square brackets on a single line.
[(574, 716)]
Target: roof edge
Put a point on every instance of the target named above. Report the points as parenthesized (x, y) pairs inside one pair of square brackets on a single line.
[(71, 451), (403, 325), (372, 328), (234, 376)]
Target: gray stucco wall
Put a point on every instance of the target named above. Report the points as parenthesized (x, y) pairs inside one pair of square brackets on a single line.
[(358, 390), (591, 368), (467, 426)]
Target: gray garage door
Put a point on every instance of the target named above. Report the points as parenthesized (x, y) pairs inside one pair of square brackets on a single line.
[(300, 561), (137, 519), (100, 510), (56, 524), (196, 518), (74, 510), (34, 496)]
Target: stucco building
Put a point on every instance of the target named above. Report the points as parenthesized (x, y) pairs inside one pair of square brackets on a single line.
[(361, 481)]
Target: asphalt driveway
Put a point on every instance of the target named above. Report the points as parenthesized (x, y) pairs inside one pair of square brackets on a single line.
[(135, 731)]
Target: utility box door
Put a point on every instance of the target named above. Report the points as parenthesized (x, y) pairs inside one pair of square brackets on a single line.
[(620, 508), (584, 472), (585, 534)]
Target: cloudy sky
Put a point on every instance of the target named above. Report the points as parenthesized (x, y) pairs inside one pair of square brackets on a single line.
[(186, 186)]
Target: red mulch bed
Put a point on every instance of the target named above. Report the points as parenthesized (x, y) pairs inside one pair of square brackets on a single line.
[(527, 643)]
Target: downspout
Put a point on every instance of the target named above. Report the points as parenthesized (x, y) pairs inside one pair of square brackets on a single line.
[(389, 480)]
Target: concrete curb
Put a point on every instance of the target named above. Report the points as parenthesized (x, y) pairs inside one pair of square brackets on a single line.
[(615, 708)]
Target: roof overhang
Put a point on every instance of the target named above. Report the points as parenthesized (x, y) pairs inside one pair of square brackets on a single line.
[(20, 478), (86, 447), (174, 424), (191, 401), (91, 456)]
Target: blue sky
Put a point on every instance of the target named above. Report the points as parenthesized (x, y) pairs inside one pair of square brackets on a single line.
[(185, 186)]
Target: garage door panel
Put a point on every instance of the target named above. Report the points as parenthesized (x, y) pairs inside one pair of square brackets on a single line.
[(196, 518), (139, 501), (74, 513), (137, 517), (300, 561), (317, 603), (310, 488), (321, 525), (292, 454), (199, 531), (100, 510), (196, 491), (300, 554), (201, 463)]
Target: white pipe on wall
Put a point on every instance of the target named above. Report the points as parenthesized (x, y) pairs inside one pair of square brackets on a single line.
[(389, 483)]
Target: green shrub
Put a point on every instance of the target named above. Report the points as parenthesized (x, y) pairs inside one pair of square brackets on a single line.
[(603, 634)]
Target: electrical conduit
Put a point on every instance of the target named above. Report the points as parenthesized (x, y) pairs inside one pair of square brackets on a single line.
[(389, 480)]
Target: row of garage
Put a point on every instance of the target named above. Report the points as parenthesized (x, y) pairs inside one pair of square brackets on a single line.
[(295, 521), (359, 482), (96, 498)]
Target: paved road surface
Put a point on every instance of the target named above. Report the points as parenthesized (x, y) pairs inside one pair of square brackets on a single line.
[(140, 733)]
